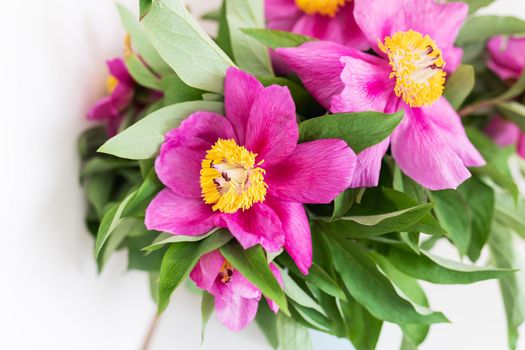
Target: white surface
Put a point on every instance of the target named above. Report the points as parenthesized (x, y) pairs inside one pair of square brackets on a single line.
[(53, 56)]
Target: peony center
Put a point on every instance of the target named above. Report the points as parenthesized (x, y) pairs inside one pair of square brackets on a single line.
[(230, 180), (417, 65), (320, 7), (111, 84), (226, 272)]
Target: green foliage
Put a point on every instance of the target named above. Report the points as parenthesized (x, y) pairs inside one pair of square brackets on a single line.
[(481, 28), (459, 85), (277, 38)]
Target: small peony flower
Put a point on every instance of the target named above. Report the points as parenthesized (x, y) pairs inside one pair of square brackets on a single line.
[(505, 133), (246, 172), (322, 19), (236, 299), (120, 88), (413, 41), (507, 56)]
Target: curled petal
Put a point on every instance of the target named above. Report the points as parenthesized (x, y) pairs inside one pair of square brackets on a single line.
[(207, 269), (368, 165)]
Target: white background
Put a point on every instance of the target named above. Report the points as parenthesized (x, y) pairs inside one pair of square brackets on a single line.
[(52, 69)]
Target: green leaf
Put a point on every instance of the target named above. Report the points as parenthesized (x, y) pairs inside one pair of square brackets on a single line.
[(250, 55), (140, 73), (164, 239), (455, 216), (143, 139), (207, 307), (140, 42), (515, 90), (184, 45), (176, 91), (343, 203), (292, 335), (515, 112), (474, 5), (369, 287), (223, 35), (179, 260), (90, 140), (506, 254), (358, 130), (481, 28), (297, 294), (511, 214), (267, 322), (98, 191), (277, 38), (99, 165), (363, 329), (212, 15), (143, 195), (431, 268), (459, 85), (480, 199), (253, 265), (144, 6), (111, 219)]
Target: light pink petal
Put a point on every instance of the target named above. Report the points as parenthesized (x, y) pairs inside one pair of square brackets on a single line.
[(425, 154), (318, 65), (452, 56), (178, 215), (521, 146), (272, 131), (281, 14), (257, 225), (298, 239), (367, 86), (241, 286), (207, 269), (179, 162), (368, 165), (234, 311), (240, 91), (316, 172), (503, 132), (272, 304), (506, 56)]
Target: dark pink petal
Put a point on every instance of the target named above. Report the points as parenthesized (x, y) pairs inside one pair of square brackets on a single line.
[(178, 215), (257, 225), (521, 146), (240, 91), (122, 96), (272, 131), (368, 165), (179, 162), (207, 269), (241, 286), (316, 172), (298, 239), (103, 109), (367, 86), (272, 304), (434, 152), (118, 69), (380, 18), (318, 65), (235, 311), (506, 56), (503, 132), (341, 29), (281, 14)]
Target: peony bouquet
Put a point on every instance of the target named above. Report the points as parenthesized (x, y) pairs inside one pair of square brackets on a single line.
[(299, 167)]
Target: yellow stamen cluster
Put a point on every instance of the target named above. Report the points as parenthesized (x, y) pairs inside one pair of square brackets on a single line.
[(321, 7), (128, 51), (111, 84), (417, 65), (230, 179)]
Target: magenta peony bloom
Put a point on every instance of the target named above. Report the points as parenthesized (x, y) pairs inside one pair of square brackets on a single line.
[(322, 19), (120, 87), (507, 56), (414, 41), (505, 133), (246, 172), (236, 299)]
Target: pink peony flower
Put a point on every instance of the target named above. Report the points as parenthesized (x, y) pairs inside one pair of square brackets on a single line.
[(507, 56), (322, 19), (236, 299), (505, 133), (120, 87), (414, 43), (246, 172)]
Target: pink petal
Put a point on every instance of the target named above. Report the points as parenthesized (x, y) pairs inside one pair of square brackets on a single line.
[(240, 91), (503, 132), (281, 14), (298, 239), (179, 162), (425, 151), (521, 146), (452, 56), (367, 86), (234, 311), (506, 56), (315, 173), (207, 269), (368, 165), (118, 69), (318, 65), (241, 286), (272, 304), (272, 130), (257, 225), (169, 212), (103, 109)]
